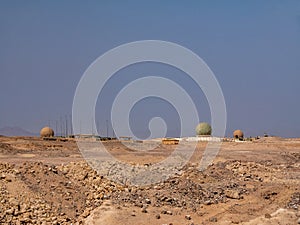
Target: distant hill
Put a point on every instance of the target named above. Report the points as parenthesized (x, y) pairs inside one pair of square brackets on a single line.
[(15, 131)]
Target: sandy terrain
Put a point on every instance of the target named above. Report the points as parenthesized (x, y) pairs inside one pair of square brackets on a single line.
[(48, 182)]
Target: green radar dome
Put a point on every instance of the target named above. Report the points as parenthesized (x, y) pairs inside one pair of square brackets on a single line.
[(203, 129)]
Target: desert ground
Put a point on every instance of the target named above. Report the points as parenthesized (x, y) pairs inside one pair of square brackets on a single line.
[(249, 183)]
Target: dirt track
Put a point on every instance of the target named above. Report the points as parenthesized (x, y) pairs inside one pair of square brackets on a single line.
[(48, 182)]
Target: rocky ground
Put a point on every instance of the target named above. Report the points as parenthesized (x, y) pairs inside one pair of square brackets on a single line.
[(48, 182)]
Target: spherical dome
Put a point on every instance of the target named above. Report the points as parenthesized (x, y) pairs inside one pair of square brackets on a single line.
[(238, 134), (47, 132), (203, 129)]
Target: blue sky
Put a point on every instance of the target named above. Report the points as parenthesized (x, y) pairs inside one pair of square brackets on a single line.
[(253, 48)]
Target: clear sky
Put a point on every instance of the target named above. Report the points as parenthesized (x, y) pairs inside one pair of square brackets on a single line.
[(253, 48)]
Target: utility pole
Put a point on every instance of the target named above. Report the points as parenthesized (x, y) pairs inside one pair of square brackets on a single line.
[(61, 126), (71, 127), (106, 128), (66, 126)]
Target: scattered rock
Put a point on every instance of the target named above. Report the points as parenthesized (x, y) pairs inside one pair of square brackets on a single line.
[(188, 217), (233, 194), (144, 210), (169, 212), (235, 221), (294, 203), (213, 219), (268, 216), (164, 212)]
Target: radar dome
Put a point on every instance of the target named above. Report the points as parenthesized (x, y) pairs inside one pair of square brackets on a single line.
[(238, 134), (203, 129), (47, 132)]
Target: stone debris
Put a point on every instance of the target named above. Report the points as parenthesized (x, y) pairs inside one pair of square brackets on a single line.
[(188, 217), (37, 193), (144, 210), (295, 201)]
